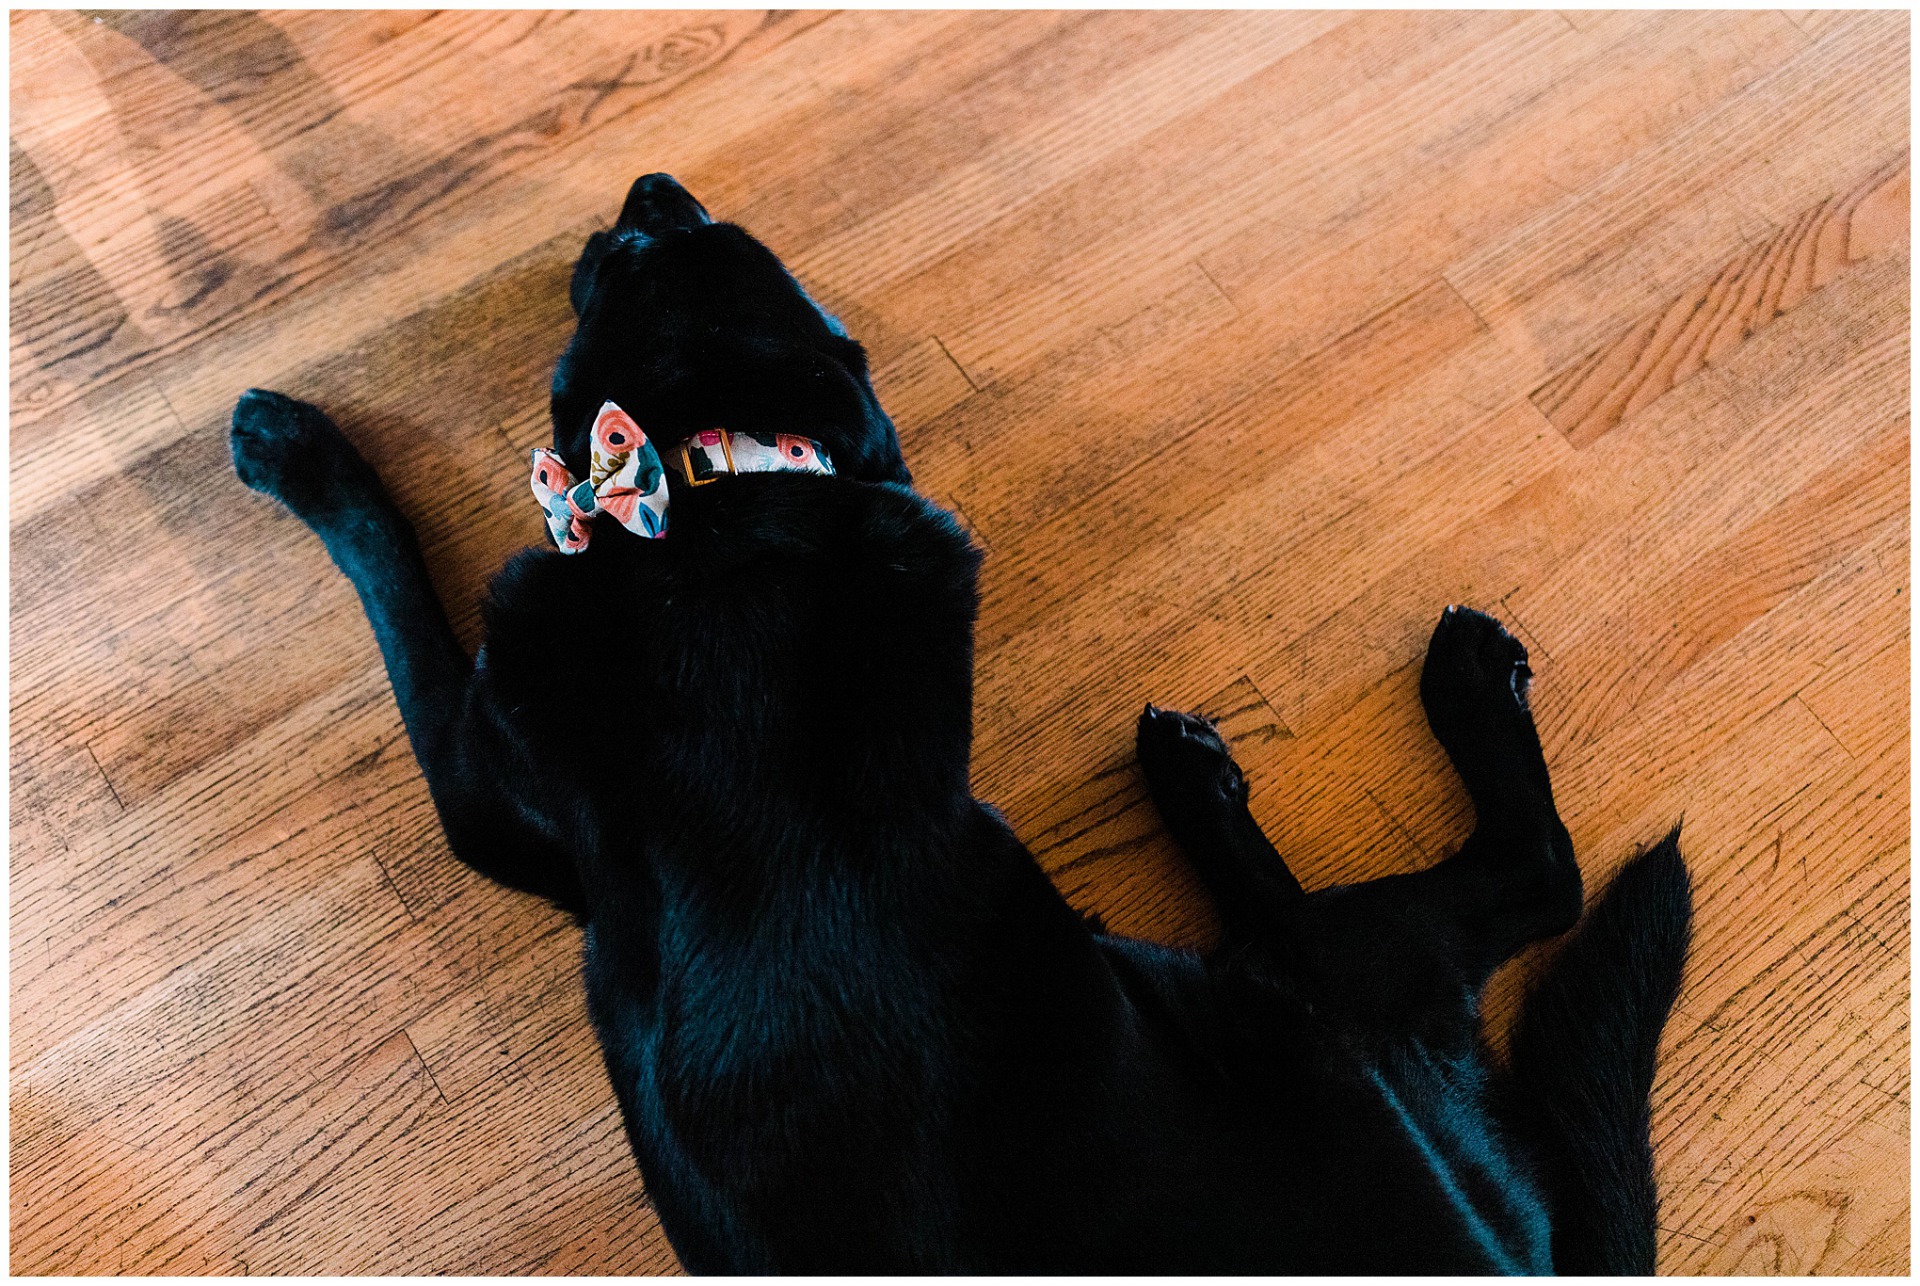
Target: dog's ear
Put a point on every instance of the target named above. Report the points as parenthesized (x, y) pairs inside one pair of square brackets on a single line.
[(589, 263), (657, 204)]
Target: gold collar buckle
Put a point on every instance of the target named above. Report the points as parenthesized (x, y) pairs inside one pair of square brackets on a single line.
[(686, 459)]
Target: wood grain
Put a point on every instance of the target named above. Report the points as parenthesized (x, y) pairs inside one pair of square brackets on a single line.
[(1596, 393), (1242, 341)]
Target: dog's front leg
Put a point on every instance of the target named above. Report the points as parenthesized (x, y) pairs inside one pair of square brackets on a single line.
[(291, 451)]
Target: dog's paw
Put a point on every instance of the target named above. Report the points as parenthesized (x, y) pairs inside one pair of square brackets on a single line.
[(1185, 758), (1475, 678), (291, 451)]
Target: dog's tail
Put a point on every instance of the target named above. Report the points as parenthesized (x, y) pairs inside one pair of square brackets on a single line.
[(1583, 1055)]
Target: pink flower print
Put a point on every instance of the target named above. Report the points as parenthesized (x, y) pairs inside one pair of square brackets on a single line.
[(615, 433), (575, 536), (795, 450), (620, 502), (550, 474), (710, 437)]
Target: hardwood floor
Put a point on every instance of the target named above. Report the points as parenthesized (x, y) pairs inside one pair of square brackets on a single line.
[(1244, 342)]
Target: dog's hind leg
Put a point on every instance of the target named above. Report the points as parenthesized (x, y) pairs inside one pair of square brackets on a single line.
[(1202, 797), (291, 451), (1437, 934), (1515, 880), (1405, 940)]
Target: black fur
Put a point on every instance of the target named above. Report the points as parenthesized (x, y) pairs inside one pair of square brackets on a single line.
[(851, 1025), (1583, 1060)]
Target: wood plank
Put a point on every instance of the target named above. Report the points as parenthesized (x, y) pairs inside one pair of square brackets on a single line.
[(1603, 388), (1150, 92), (1803, 365), (1773, 912), (1865, 702), (1582, 269), (1815, 22), (1207, 456), (1282, 212)]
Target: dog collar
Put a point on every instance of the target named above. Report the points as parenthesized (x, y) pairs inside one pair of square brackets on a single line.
[(625, 477), (709, 454)]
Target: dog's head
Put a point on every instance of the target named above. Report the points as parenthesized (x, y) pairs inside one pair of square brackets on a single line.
[(690, 324)]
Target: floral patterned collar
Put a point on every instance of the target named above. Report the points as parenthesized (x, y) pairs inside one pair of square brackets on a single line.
[(626, 479)]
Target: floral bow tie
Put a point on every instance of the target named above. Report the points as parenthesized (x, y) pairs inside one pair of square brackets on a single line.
[(625, 480)]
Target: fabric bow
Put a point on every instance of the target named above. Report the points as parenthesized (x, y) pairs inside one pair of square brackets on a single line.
[(624, 479)]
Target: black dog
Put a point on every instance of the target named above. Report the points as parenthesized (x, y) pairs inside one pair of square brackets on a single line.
[(851, 1025)]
